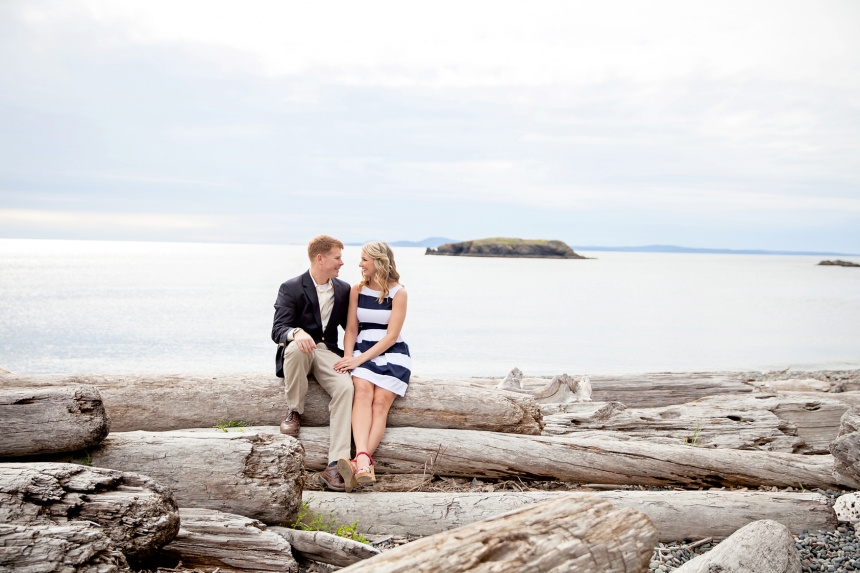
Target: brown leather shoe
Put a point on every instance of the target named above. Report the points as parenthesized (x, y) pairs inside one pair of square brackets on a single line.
[(331, 479), (291, 424)]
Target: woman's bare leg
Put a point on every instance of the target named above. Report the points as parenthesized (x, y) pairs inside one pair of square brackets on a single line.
[(382, 400), (362, 412)]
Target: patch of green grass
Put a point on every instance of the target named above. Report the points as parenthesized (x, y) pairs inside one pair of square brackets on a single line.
[(694, 439), (309, 520), (224, 424), (85, 460)]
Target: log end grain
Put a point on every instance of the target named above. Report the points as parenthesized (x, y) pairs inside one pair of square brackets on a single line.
[(50, 420)]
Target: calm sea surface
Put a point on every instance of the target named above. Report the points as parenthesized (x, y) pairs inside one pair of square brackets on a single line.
[(90, 306)]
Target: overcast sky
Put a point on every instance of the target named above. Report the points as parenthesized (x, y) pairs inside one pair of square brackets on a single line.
[(726, 124)]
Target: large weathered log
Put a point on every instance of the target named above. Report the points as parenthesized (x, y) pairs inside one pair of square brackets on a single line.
[(761, 547), (255, 474), (790, 422), (325, 547), (157, 403), (136, 514), (212, 539), (565, 534), (77, 546), (677, 515), (846, 447), (570, 458), (50, 420)]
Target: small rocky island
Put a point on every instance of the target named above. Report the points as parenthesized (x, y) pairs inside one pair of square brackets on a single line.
[(837, 263), (502, 247)]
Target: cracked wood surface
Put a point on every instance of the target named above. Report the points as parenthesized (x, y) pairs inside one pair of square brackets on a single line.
[(326, 547), (569, 533), (258, 474), (154, 402), (463, 453), (210, 539), (677, 515), (75, 547), (134, 512), (49, 420), (764, 546)]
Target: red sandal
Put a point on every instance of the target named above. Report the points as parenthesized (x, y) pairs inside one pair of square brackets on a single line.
[(365, 476)]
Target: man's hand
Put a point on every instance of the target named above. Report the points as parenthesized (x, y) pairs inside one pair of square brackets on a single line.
[(305, 341)]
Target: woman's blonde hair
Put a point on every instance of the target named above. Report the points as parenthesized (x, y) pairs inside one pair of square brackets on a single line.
[(383, 261)]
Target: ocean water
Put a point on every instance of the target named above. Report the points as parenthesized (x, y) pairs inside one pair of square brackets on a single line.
[(98, 306)]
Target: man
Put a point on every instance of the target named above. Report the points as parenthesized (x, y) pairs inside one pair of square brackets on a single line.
[(308, 311)]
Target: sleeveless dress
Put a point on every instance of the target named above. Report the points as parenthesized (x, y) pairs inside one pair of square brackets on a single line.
[(392, 368)]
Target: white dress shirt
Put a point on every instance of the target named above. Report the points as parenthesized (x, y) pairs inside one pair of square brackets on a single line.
[(325, 294)]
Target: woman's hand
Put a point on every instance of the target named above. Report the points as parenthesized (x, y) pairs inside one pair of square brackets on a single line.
[(346, 365)]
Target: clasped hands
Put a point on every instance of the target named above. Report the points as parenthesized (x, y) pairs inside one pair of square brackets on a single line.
[(347, 364)]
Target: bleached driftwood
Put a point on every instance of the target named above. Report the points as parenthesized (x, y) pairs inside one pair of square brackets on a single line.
[(677, 515), (846, 447), (562, 389), (211, 539), (134, 512), (565, 534), (764, 546), (157, 403), (50, 420), (571, 458), (790, 422), (77, 546), (325, 547), (257, 474)]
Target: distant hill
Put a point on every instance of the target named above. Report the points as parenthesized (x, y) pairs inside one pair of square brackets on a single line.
[(676, 249), (507, 247), (431, 242)]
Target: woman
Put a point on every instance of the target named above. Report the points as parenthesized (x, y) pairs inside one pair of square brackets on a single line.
[(376, 355)]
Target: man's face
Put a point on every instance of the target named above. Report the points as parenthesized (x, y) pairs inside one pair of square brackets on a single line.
[(329, 264)]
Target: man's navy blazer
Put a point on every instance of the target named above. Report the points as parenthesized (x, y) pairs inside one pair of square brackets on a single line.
[(297, 306)]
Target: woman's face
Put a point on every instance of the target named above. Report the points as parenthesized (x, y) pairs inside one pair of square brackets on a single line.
[(366, 265)]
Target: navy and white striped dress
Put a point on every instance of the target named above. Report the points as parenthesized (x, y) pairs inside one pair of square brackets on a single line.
[(392, 368)]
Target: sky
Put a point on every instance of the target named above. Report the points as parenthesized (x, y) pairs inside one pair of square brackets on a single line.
[(717, 125)]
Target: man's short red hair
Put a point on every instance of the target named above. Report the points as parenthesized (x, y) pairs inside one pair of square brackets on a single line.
[(321, 245)]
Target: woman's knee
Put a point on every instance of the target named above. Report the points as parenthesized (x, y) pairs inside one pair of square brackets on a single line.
[(380, 407), (363, 390)]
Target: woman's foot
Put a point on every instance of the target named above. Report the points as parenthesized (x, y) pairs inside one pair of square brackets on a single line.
[(346, 469), (364, 472)]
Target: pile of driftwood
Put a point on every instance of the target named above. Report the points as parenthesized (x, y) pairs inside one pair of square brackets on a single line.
[(163, 484)]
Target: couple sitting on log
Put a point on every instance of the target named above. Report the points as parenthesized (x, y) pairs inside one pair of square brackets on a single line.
[(363, 379)]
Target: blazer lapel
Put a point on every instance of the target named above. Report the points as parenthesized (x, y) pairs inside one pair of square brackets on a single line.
[(311, 292)]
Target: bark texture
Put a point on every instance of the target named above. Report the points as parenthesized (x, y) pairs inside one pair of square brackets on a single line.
[(135, 513), (585, 460), (258, 474), (761, 547), (76, 547), (210, 539), (158, 403), (846, 447), (565, 534), (325, 547), (677, 515), (50, 420)]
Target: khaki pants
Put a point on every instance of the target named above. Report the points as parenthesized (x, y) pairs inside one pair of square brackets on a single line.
[(297, 366)]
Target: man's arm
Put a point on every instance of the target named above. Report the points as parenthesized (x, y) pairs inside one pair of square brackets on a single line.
[(286, 314)]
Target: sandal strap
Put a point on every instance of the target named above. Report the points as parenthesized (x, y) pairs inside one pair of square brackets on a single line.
[(373, 463)]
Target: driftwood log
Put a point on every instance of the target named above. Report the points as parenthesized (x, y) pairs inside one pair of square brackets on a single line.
[(801, 423), (325, 547), (846, 447), (569, 458), (134, 512), (211, 539), (157, 403), (565, 534), (644, 390), (764, 546), (50, 420), (255, 474), (77, 546), (677, 515)]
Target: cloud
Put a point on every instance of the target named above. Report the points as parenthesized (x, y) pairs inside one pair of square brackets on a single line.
[(83, 220)]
